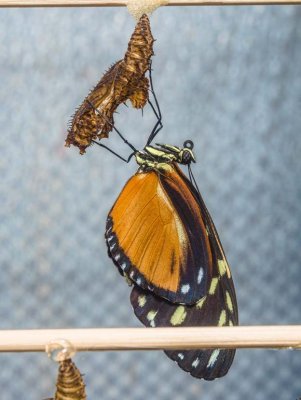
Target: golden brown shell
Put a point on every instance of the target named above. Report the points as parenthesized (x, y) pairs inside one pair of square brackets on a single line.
[(124, 80), (70, 385)]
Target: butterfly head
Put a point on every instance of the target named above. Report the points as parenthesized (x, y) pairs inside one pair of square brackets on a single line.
[(159, 156), (186, 155)]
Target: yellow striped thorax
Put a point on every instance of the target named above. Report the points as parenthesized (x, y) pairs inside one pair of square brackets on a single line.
[(163, 154)]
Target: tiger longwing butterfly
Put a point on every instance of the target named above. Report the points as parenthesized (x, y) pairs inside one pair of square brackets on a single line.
[(162, 238)]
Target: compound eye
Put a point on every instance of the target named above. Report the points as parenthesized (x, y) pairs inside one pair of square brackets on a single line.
[(188, 144), (186, 157)]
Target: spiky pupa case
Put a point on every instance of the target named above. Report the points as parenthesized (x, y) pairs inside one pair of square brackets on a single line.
[(125, 80)]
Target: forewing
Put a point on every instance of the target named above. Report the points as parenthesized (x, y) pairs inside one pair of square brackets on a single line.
[(156, 236)]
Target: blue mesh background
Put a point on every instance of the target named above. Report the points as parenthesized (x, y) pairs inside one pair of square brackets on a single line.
[(227, 78)]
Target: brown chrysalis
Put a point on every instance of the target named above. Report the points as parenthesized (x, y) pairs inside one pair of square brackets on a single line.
[(125, 80), (70, 384)]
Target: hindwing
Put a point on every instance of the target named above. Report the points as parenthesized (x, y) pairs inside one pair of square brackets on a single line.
[(217, 308)]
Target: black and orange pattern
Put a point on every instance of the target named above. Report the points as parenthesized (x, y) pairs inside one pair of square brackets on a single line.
[(161, 237), (157, 236)]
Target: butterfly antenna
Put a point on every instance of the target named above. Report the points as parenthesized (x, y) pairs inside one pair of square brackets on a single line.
[(192, 180), (158, 113), (158, 126), (113, 127)]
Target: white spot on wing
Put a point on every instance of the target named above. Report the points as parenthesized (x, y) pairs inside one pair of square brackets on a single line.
[(178, 317), (109, 239), (139, 281), (185, 288), (181, 356), (200, 275), (213, 285), (151, 317), (229, 301), (213, 358), (222, 318), (141, 301), (117, 257), (195, 363), (123, 266), (200, 303), (113, 246)]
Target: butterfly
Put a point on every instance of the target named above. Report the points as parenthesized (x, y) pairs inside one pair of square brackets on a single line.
[(161, 237), (155, 230), (125, 80)]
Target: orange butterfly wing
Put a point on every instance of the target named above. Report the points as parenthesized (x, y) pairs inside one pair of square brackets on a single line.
[(156, 236)]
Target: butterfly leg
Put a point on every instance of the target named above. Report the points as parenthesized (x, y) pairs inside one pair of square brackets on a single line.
[(158, 111), (113, 152), (130, 156), (158, 126)]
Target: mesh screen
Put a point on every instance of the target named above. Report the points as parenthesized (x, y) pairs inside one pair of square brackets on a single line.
[(227, 78)]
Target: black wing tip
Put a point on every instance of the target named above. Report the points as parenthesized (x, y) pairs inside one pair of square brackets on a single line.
[(186, 360), (201, 364)]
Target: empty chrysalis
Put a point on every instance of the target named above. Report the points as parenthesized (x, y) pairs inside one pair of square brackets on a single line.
[(125, 80), (70, 384)]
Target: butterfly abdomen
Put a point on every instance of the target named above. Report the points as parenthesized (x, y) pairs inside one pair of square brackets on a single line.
[(162, 238)]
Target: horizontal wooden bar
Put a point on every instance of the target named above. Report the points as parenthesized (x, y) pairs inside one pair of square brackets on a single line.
[(120, 3), (286, 336)]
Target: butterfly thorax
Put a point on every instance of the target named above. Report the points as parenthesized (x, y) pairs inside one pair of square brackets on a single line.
[(161, 156)]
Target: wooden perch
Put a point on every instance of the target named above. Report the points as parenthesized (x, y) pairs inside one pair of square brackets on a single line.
[(119, 3), (154, 338)]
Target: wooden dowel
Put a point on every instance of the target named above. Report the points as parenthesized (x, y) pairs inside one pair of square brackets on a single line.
[(119, 3), (154, 339)]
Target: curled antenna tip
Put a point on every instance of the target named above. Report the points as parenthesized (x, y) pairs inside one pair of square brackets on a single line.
[(188, 144)]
